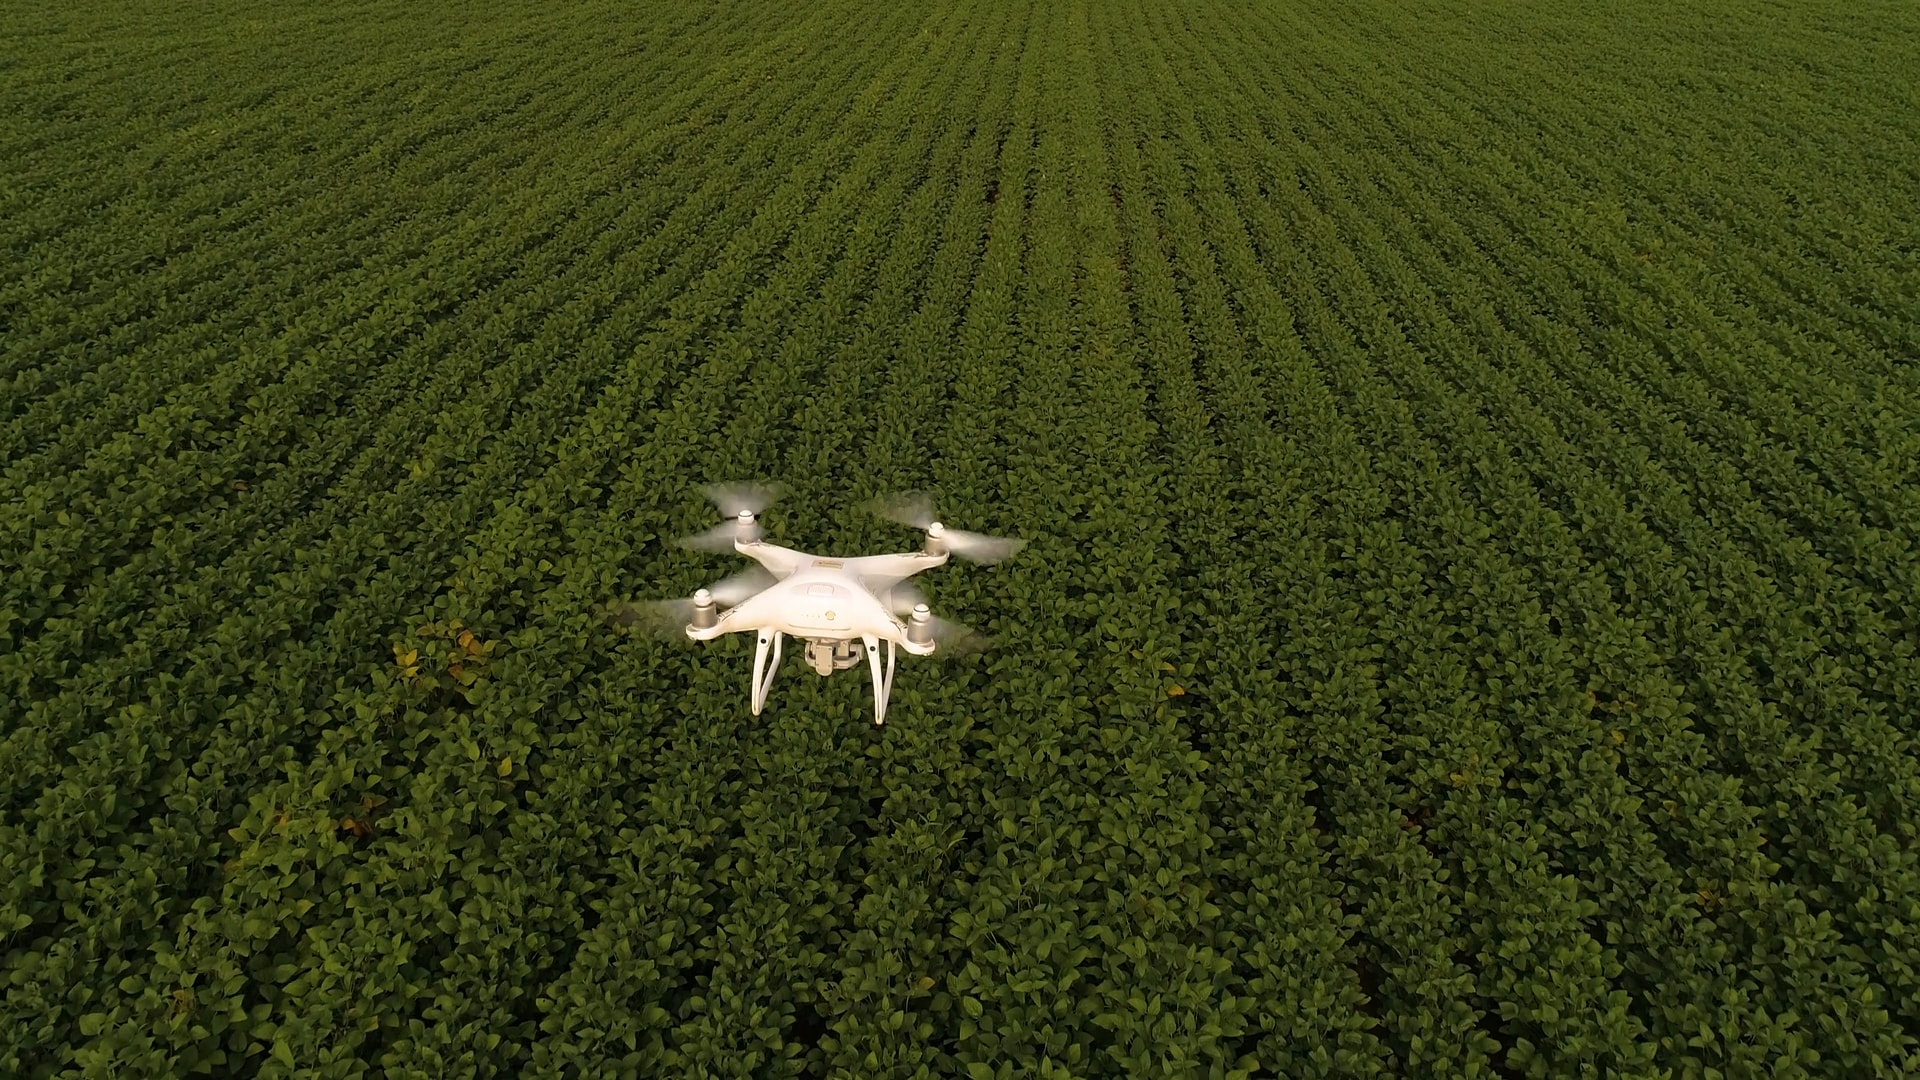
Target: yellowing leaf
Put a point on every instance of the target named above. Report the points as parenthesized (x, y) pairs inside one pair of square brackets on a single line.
[(506, 766), (1176, 691)]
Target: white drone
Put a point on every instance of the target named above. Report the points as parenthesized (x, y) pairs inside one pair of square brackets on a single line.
[(839, 607)]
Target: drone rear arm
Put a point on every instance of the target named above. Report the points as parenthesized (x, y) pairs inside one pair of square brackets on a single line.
[(881, 572), (778, 560)]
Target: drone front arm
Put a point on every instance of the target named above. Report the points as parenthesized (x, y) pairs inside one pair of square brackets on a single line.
[(749, 614)]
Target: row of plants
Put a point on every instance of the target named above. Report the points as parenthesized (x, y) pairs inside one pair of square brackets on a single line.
[(1467, 627)]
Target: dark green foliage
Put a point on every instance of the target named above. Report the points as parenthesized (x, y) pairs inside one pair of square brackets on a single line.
[(1470, 452)]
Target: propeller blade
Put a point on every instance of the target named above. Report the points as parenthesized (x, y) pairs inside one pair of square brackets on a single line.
[(976, 547), (733, 501), (669, 618), (915, 510), (902, 597), (718, 539), (741, 587), (657, 618), (949, 637), (955, 639), (737, 498)]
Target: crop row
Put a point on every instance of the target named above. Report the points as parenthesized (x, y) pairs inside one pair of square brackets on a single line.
[(1468, 623)]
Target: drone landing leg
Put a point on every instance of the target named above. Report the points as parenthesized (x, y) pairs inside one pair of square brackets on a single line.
[(766, 662), (882, 688)]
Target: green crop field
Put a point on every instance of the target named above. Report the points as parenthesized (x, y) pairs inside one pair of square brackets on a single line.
[(1469, 452)]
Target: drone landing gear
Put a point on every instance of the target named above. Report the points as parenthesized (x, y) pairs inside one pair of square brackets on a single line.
[(826, 657), (882, 688), (766, 661)]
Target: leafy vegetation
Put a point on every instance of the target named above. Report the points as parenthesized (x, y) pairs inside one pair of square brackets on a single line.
[(1468, 447)]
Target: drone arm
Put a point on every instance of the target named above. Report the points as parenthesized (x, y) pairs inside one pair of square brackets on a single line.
[(732, 621), (778, 560), (880, 572), (750, 614)]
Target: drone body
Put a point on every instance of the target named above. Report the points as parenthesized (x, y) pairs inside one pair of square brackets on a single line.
[(842, 609)]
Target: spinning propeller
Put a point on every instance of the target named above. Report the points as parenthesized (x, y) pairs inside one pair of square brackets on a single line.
[(669, 618), (916, 511), (909, 604), (738, 503)]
